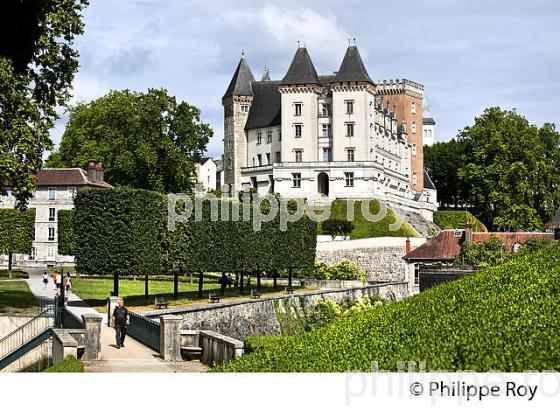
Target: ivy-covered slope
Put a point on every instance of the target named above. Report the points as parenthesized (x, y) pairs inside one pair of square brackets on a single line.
[(503, 318)]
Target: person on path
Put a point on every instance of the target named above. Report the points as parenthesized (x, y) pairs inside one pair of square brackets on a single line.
[(55, 274), (58, 283), (68, 283), (120, 322), (45, 280)]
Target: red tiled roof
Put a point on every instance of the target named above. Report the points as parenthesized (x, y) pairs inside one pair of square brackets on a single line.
[(66, 176), (446, 246)]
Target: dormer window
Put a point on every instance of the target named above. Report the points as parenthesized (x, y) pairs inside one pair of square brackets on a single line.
[(244, 108)]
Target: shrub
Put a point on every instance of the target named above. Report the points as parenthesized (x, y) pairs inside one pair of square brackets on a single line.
[(17, 231), (322, 313), (337, 227), (457, 220), (66, 234), (534, 245), (503, 318), (485, 253), (67, 365), (346, 270)]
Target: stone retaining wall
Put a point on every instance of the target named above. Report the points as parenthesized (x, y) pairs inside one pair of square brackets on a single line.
[(259, 317)]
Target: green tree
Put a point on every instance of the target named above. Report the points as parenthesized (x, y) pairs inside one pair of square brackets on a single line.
[(17, 231), (511, 170), (145, 140), (37, 66), (442, 161)]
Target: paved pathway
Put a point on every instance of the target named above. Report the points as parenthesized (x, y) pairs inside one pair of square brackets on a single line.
[(75, 305), (134, 357)]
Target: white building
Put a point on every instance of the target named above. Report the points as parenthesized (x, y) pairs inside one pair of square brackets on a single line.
[(56, 189), (429, 129), (326, 136), (206, 173)]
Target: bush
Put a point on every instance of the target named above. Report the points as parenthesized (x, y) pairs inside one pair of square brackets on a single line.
[(67, 365), (503, 318), (17, 231), (457, 220), (486, 253), (346, 270), (322, 313), (534, 245), (66, 235), (337, 227)]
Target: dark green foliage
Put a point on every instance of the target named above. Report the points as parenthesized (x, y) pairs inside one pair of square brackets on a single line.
[(145, 140), (503, 318), (66, 234), (457, 220), (485, 253), (337, 227), (535, 244), (120, 231), (17, 231), (67, 365)]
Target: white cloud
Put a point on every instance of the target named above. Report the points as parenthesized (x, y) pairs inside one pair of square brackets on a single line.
[(86, 88)]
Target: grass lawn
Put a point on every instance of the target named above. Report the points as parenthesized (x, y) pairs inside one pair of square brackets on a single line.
[(16, 274), (96, 291), (15, 296), (369, 229)]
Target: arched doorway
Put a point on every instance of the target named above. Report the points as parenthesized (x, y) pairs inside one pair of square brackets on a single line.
[(323, 184)]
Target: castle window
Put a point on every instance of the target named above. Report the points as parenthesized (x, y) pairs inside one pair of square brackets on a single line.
[(52, 194), (244, 108), (253, 161), (278, 156), (297, 109), (326, 154), (296, 180), (425, 133), (414, 178), (327, 130), (279, 135), (51, 234), (349, 107), (349, 179), (259, 137), (325, 110), (349, 129), (269, 137), (298, 155), (414, 150), (268, 158), (413, 127), (259, 159), (298, 128), (413, 107), (350, 154), (52, 213)]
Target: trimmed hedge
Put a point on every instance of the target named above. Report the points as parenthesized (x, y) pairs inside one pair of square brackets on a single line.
[(457, 220), (67, 365), (17, 231), (66, 234), (503, 318)]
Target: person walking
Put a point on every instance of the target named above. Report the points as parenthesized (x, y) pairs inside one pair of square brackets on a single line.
[(55, 274), (68, 283), (120, 322), (45, 280), (58, 283)]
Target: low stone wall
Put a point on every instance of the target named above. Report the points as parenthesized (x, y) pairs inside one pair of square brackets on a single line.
[(217, 348), (259, 317), (380, 258)]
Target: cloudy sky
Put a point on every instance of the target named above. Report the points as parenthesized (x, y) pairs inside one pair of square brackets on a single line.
[(468, 54)]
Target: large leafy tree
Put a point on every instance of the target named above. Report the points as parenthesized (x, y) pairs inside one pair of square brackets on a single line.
[(37, 66), (145, 140), (511, 170), (442, 161)]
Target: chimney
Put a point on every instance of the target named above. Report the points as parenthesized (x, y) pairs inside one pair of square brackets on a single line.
[(99, 172), (407, 247), (468, 230), (91, 171)]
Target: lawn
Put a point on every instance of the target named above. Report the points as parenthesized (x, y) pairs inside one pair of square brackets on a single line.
[(15, 297), (369, 229), (16, 274), (96, 291)]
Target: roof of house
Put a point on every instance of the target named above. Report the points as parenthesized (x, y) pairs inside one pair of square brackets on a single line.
[(428, 183), (301, 71), (266, 109), (352, 68), (428, 121), (240, 84), (447, 245), (67, 176)]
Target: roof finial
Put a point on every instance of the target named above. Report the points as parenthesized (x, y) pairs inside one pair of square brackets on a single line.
[(298, 45), (242, 53), (348, 41), (354, 42)]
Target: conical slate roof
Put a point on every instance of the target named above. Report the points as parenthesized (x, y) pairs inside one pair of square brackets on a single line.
[(352, 68), (241, 82), (301, 70)]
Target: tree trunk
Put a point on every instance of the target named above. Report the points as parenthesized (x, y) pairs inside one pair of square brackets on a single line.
[(175, 285), (241, 284), (115, 284), (10, 265), (275, 284), (289, 277), (146, 287), (200, 284), (223, 284), (259, 280)]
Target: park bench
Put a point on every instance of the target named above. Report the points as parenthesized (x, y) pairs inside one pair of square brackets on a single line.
[(289, 290), (213, 298), (161, 303), (255, 294)]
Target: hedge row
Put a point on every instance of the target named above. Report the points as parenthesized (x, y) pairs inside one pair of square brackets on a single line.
[(457, 220), (124, 231), (17, 231), (503, 318), (66, 234)]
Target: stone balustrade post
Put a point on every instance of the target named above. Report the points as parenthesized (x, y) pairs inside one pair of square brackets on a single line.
[(63, 344), (170, 337), (92, 325)]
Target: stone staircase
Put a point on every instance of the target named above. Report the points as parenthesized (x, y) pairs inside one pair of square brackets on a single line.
[(420, 224)]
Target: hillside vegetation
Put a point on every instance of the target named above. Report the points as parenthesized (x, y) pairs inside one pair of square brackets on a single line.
[(503, 318), (457, 220), (369, 229)]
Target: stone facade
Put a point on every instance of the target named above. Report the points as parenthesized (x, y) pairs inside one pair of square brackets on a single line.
[(259, 317)]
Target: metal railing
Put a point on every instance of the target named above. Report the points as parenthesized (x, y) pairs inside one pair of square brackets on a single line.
[(27, 332), (144, 330)]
